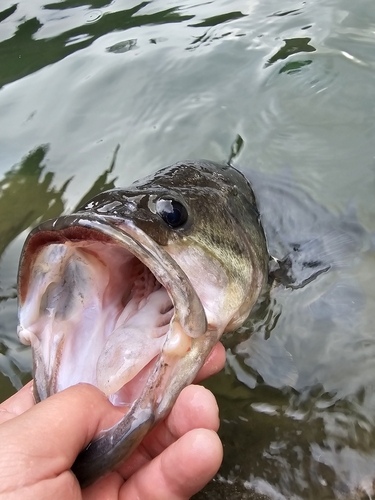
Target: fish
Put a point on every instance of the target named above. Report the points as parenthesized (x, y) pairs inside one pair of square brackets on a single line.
[(132, 291)]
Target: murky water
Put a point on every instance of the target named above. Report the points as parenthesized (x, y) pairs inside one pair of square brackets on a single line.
[(97, 94)]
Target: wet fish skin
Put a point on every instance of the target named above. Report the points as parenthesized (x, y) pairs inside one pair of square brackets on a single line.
[(213, 265)]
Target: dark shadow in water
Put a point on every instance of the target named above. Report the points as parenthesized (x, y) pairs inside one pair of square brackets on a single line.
[(294, 66), (223, 18), (101, 184), (292, 46), (293, 12), (210, 35), (27, 195), (235, 149), (7, 12), (71, 4), (24, 54), (121, 47)]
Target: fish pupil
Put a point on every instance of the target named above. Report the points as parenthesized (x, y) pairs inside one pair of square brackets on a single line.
[(172, 212)]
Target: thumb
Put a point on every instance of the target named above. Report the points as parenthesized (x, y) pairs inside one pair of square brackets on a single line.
[(46, 439)]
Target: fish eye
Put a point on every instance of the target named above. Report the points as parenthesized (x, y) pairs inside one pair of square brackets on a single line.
[(172, 212)]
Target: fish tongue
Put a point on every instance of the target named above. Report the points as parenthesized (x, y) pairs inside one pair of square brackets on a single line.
[(134, 343)]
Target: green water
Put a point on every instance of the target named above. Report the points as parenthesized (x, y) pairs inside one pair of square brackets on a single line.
[(100, 94)]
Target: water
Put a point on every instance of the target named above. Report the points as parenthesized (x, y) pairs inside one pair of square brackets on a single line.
[(97, 94)]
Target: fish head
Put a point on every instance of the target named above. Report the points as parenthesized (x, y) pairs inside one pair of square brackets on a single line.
[(132, 291)]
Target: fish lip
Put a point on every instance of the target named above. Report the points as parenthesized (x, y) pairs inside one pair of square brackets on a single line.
[(189, 311)]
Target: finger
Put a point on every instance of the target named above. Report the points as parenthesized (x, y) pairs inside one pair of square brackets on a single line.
[(214, 363), (18, 403), (64, 486), (107, 487), (196, 407), (180, 471), (45, 440)]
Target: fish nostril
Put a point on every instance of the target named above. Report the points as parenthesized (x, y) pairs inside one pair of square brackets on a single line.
[(130, 206)]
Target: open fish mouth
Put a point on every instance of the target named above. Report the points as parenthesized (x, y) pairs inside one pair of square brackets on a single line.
[(100, 301)]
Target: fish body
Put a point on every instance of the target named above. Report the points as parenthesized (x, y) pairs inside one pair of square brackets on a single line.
[(132, 291)]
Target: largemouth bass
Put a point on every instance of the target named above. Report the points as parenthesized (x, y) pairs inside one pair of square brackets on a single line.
[(132, 291)]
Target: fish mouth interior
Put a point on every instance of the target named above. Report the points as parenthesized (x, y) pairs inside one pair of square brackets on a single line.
[(93, 312)]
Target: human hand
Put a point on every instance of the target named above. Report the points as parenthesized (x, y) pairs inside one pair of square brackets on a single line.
[(39, 444)]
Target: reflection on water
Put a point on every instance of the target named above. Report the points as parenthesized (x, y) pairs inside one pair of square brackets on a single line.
[(26, 196), (30, 43), (293, 46), (287, 92)]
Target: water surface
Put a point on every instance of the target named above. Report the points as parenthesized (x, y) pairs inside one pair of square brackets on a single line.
[(98, 94)]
